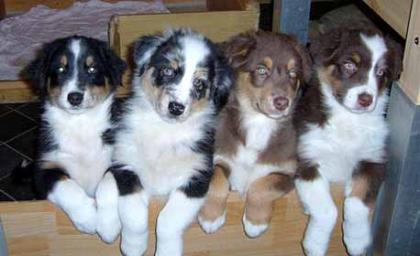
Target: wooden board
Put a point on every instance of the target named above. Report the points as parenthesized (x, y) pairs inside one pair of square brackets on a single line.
[(395, 12), (217, 25), (38, 228), (410, 78)]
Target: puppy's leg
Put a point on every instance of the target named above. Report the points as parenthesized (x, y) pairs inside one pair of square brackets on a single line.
[(68, 195), (260, 199), (179, 212), (108, 223), (213, 214), (358, 205), (313, 191), (132, 209)]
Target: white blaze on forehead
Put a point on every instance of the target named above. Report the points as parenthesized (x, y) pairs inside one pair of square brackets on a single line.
[(377, 48), (75, 50), (195, 50)]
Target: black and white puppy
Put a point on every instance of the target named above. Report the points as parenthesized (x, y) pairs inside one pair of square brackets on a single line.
[(76, 78), (165, 144), (342, 133)]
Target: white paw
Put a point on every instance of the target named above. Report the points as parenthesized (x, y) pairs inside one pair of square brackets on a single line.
[(312, 248), (252, 230), (84, 218), (356, 246), (212, 226), (108, 228), (134, 245)]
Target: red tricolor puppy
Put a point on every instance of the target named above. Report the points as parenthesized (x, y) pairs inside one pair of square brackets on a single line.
[(342, 134), (255, 150)]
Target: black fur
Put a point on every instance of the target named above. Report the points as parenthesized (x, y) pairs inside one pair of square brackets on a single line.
[(127, 181), (45, 179), (199, 184)]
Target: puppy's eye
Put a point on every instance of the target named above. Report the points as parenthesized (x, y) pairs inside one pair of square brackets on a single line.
[(198, 84), (61, 69), (262, 70), (292, 73), (380, 72), (91, 70), (350, 68), (168, 72)]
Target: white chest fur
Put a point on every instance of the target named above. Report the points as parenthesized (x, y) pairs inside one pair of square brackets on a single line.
[(344, 140), (161, 153), (258, 130), (81, 150)]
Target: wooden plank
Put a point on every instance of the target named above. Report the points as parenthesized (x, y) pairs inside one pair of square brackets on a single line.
[(410, 77), (395, 12), (218, 26), (282, 238)]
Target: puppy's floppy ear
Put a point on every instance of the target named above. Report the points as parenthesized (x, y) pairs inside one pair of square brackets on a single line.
[(238, 48), (37, 71), (324, 48), (395, 58), (305, 58), (143, 50), (223, 82), (114, 65)]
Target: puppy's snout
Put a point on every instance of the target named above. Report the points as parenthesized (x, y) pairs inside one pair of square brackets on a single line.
[(176, 108), (280, 103), (365, 100), (75, 98)]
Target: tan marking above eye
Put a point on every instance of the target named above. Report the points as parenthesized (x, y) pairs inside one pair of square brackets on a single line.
[(291, 64), (89, 61), (268, 62), (356, 58), (63, 60), (201, 73), (174, 64)]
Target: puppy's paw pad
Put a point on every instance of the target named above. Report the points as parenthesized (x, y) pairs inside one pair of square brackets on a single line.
[(253, 230), (211, 226)]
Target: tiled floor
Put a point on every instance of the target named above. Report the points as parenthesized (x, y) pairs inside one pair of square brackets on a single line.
[(18, 129)]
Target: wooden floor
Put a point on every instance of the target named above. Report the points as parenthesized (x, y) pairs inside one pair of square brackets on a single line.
[(38, 228)]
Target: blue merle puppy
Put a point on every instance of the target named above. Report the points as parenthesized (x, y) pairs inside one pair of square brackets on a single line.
[(165, 143)]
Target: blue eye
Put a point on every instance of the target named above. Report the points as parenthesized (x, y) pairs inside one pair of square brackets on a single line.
[(168, 72)]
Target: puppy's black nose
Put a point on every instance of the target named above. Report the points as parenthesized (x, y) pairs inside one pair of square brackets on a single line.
[(176, 108), (365, 100), (75, 98)]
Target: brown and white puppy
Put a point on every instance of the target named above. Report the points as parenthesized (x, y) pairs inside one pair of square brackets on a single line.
[(342, 134), (255, 150)]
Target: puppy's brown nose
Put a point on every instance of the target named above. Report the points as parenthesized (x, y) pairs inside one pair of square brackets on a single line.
[(365, 100), (280, 103)]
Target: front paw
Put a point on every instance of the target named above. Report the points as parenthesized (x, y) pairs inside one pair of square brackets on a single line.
[(211, 226), (253, 230), (84, 218), (135, 245), (313, 248), (356, 245), (108, 228)]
